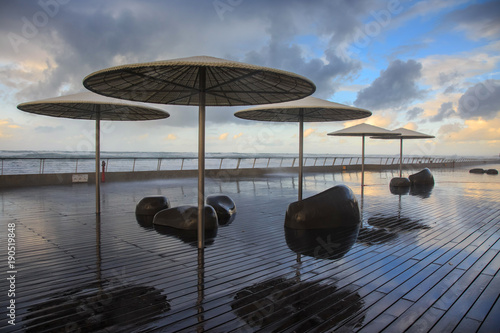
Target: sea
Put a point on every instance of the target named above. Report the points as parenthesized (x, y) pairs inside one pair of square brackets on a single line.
[(35, 162)]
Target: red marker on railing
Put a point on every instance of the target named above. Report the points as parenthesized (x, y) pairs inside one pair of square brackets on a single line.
[(103, 178)]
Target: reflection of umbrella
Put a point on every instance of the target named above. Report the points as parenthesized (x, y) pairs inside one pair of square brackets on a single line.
[(199, 81), (404, 134), (91, 106), (308, 109), (362, 130)]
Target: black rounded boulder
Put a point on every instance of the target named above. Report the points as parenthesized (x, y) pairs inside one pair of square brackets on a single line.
[(492, 172), (335, 207), (477, 171), (224, 207), (147, 208), (186, 218), (423, 177), (400, 182)]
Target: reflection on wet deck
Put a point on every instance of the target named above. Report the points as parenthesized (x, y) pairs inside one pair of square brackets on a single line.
[(425, 260)]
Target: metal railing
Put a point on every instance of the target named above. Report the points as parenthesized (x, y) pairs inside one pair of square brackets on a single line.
[(48, 165)]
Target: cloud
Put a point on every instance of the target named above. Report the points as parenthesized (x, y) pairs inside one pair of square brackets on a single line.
[(223, 136), (445, 111), (309, 131), (395, 88), (48, 129), (237, 135), (170, 137), (471, 130), (480, 100), (414, 113), (479, 20)]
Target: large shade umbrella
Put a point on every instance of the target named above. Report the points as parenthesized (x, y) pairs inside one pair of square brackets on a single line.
[(91, 106), (199, 81), (308, 109), (362, 130), (404, 134)]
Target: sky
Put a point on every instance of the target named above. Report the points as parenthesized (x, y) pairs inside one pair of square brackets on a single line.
[(432, 66)]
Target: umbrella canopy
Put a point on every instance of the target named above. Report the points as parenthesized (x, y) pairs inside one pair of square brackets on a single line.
[(404, 134), (199, 81), (362, 130), (91, 106), (308, 109)]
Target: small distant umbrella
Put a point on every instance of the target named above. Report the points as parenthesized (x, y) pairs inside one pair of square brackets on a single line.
[(404, 134), (202, 81), (308, 109), (362, 130), (91, 106)]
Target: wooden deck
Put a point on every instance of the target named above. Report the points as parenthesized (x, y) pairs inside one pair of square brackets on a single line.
[(424, 262)]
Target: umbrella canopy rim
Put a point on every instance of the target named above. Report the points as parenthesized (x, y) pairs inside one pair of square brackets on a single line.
[(91, 100), (91, 83)]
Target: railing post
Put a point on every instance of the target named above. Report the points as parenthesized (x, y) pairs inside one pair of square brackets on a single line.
[(324, 163), (281, 163), (133, 166), (334, 159), (293, 163), (254, 160), (158, 167), (182, 164), (2, 166), (76, 168), (220, 165), (268, 161), (238, 164), (107, 164)]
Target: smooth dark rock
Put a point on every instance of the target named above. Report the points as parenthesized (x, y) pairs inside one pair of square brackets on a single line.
[(492, 172), (400, 182), (151, 205), (187, 236), (224, 207), (423, 177), (477, 170), (186, 218), (333, 208), (330, 244)]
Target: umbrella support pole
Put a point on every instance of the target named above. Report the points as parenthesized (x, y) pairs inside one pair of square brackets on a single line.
[(201, 161), (401, 158), (363, 162), (97, 160), (301, 152)]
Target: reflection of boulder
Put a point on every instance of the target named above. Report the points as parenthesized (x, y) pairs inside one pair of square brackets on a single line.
[(396, 223), (375, 236), (331, 243), (492, 172), (187, 236), (148, 207), (277, 305), (186, 218), (477, 170), (224, 207), (400, 182), (399, 190), (421, 178), (423, 191), (335, 207), (93, 308)]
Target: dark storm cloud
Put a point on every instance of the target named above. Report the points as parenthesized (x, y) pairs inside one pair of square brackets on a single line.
[(394, 88), (414, 113), (480, 100), (79, 37), (445, 111), (480, 20)]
